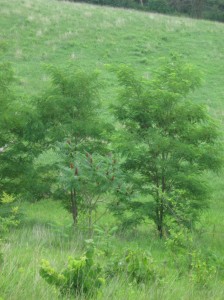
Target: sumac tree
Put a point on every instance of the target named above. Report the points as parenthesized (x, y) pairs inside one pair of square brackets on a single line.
[(88, 178), (69, 109)]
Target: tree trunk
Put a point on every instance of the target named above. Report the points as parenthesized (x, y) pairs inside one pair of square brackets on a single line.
[(141, 2), (90, 225), (159, 215), (160, 204), (160, 229), (160, 218), (74, 206)]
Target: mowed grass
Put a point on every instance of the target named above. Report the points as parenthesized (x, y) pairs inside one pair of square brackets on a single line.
[(37, 33)]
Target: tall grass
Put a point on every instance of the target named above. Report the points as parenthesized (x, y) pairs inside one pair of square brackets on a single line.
[(38, 238)]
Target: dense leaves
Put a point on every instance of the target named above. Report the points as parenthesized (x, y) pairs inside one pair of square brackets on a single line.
[(13, 150), (70, 108), (209, 9), (169, 140)]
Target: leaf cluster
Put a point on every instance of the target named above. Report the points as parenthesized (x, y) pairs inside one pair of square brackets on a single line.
[(71, 107), (81, 276)]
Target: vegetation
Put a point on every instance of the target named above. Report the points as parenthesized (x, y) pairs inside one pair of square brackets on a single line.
[(208, 9), (169, 140), (125, 156), (8, 217), (81, 276)]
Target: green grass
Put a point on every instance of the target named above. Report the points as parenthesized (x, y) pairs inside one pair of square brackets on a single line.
[(46, 233), (41, 32), (56, 32)]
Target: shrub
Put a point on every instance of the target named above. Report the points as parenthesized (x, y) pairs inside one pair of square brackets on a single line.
[(201, 264), (8, 219), (82, 275), (138, 266), (10, 214), (201, 270)]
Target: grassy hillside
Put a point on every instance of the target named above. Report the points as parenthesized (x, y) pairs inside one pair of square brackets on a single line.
[(42, 32)]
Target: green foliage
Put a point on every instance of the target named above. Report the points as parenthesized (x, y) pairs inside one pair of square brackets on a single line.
[(169, 141), (15, 153), (6, 198), (179, 239), (209, 9), (6, 97), (57, 31), (7, 217), (202, 272), (188, 256), (104, 236), (70, 108), (136, 265), (89, 173), (82, 276), (88, 177)]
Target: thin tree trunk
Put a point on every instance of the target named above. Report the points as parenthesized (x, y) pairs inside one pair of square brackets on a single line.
[(159, 212), (160, 229), (74, 206), (90, 222)]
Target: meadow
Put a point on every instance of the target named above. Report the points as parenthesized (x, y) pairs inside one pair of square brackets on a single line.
[(38, 33)]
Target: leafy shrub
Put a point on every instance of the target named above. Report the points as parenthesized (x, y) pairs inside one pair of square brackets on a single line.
[(179, 240), (138, 266), (200, 263), (202, 272), (104, 235), (82, 275), (9, 218), (10, 214)]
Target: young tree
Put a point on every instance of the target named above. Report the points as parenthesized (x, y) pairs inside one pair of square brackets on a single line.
[(70, 114), (69, 109), (169, 141), (89, 178), (85, 178), (9, 130), (16, 150)]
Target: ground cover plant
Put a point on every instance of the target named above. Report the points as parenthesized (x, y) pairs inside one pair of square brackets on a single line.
[(53, 48)]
